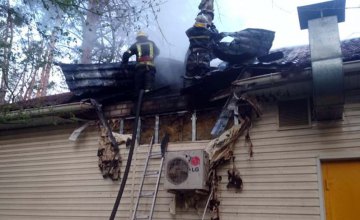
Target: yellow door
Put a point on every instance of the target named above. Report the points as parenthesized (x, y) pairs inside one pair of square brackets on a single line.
[(341, 184)]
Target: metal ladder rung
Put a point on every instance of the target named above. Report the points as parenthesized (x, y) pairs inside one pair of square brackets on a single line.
[(156, 155), (152, 173), (142, 217), (148, 194)]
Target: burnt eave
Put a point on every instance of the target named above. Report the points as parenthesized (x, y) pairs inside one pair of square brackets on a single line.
[(294, 68), (279, 85)]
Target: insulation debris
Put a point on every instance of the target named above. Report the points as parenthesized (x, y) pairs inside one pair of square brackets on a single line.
[(220, 151), (109, 158), (122, 138)]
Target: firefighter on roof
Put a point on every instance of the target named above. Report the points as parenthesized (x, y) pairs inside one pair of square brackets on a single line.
[(206, 5), (202, 36), (207, 9), (145, 51)]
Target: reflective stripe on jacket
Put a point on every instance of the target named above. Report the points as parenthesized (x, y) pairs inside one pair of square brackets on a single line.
[(145, 53), (201, 37)]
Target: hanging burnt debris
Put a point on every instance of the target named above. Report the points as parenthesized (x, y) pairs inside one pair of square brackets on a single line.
[(247, 45), (235, 181), (109, 157)]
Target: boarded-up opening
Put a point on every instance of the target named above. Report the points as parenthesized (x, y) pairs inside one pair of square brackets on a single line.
[(293, 113)]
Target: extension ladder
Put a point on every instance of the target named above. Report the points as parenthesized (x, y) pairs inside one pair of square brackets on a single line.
[(149, 193)]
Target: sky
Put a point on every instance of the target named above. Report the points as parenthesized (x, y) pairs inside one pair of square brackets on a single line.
[(281, 16)]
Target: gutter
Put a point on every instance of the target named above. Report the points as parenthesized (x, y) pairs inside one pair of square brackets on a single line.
[(8, 116), (273, 79)]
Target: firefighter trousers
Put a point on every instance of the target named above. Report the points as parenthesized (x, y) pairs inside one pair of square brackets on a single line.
[(144, 77)]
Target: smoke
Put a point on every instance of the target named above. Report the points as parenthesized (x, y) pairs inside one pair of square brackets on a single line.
[(169, 72), (174, 18)]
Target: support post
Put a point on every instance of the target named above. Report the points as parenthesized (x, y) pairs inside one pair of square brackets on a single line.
[(121, 129), (138, 131), (157, 123), (193, 133), (236, 115)]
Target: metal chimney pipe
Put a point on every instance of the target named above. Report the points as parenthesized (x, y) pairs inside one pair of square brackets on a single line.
[(327, 68), (326, 57)]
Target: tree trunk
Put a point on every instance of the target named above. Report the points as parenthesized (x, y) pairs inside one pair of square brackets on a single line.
[(89, 29), (8, 34), (45, 72)]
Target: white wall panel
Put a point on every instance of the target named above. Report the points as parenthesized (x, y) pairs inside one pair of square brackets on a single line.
[(45, 176)]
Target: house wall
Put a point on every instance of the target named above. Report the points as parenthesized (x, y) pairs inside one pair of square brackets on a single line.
[(45, 176)]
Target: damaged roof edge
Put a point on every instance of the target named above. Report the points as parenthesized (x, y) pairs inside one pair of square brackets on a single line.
[(8, 116), (261, 83)]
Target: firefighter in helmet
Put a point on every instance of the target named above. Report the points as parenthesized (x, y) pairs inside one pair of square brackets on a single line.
[(202, 38), (206, 8), (145, 51)]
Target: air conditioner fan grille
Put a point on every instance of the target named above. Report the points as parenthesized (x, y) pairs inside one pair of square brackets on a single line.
[(177, 171)]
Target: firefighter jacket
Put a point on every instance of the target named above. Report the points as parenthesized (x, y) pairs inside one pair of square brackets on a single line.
[(202, 37), (145, 51)]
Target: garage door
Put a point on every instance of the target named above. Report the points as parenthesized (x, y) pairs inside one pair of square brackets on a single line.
[(341, 184)]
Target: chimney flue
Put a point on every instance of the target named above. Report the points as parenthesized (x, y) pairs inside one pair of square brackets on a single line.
[(326, 57)]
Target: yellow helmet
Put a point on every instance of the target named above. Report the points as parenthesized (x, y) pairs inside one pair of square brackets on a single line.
[(201, 25), (201, 21), (141, 34)]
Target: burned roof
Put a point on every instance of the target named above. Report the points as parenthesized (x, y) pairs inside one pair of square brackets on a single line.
[(99, 80), (300, 55)]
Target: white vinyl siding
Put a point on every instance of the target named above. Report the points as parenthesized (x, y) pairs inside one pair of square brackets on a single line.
[(45, 176)]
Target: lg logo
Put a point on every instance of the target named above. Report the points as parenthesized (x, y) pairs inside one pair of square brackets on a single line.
[(195, 162)]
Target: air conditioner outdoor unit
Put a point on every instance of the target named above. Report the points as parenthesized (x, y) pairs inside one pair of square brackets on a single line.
[(186, 170)]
